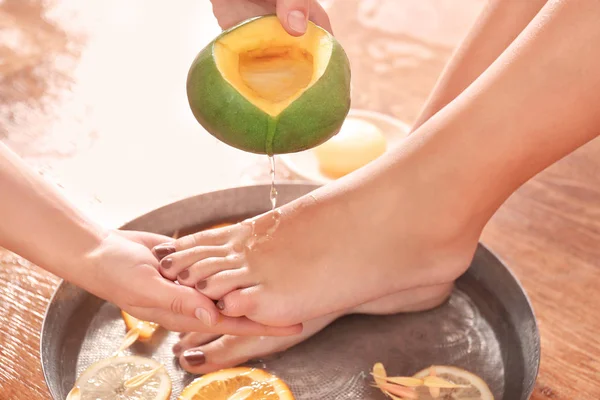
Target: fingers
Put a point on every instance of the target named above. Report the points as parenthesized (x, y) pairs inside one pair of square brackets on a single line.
[(231, 12), (182, 301), (319, 16), (293, 15), (225, 325)]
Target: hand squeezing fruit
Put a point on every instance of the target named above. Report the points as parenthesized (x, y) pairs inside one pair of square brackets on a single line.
[(259, 89)]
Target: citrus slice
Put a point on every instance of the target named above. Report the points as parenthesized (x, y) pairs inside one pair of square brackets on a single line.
[(473, 387), (144, 329), (111, 379), (237, 384)]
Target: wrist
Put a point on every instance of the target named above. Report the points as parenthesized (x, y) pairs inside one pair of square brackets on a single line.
[(78, 254)]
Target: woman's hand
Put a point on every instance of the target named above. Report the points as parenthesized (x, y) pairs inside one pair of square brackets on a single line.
[(293, 14), (124, 271)]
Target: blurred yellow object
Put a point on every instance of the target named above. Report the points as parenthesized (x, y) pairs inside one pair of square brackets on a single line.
[(130, 377), (358, 143), (144, 329)]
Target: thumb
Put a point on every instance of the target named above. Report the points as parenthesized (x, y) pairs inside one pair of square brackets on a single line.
[(186, 301), (293, 15)]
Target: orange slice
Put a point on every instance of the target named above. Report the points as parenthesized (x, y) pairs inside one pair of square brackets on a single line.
[(144, 329), (237, 384)]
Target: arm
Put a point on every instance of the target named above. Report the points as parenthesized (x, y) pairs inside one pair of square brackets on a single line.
[(498, 25), (37, 223)]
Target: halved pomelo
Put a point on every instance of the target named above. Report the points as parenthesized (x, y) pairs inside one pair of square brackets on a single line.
[(259, 89)]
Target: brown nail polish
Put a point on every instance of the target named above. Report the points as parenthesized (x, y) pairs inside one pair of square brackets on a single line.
[(220, 305), (163, 250), (177, 349), (194, 357), (166, 263), (201, 285), (184, 275)]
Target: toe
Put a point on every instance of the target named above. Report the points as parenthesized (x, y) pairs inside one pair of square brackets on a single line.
[(240, 302), (229, 351), (210, 237), (219, 285), (176, 263), (193, 339), (225, 352), (201, 270)]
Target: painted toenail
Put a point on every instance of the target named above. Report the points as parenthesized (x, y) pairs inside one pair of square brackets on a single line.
[(163, 250), (201, 285), (184, 275), (221, 305), (194, 357), (177, 349), (166, 263), (204, 316)]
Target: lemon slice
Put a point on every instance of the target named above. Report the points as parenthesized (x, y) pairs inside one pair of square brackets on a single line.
[(111, 379), (237, 384), (474, 387), (144, 329)]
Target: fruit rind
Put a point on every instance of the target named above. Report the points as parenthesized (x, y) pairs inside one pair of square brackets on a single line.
[(309, 121)]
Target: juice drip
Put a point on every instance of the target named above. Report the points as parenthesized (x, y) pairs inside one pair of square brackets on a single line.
[(253, 238), (273, 194), (273, 198), (267, 228)]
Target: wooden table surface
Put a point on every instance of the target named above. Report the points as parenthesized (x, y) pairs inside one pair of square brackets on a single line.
[(75, 102)]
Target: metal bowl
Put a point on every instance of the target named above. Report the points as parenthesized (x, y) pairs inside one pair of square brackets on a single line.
[(487, 326)]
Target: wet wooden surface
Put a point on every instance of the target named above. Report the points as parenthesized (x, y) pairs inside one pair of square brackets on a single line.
[(92, 94)]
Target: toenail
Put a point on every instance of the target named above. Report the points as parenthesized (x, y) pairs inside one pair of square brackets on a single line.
[(163, 250), (166, 263), (221, 305), (203, 316), (184, 275), (194, 357), (201, 285), (177, 349)]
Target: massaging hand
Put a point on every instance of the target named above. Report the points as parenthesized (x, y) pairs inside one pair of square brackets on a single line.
[(40, 224), (124, 271), (293, 14)]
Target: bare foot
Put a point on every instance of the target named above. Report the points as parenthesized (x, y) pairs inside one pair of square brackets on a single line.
[(348, 243), (201, 353)]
